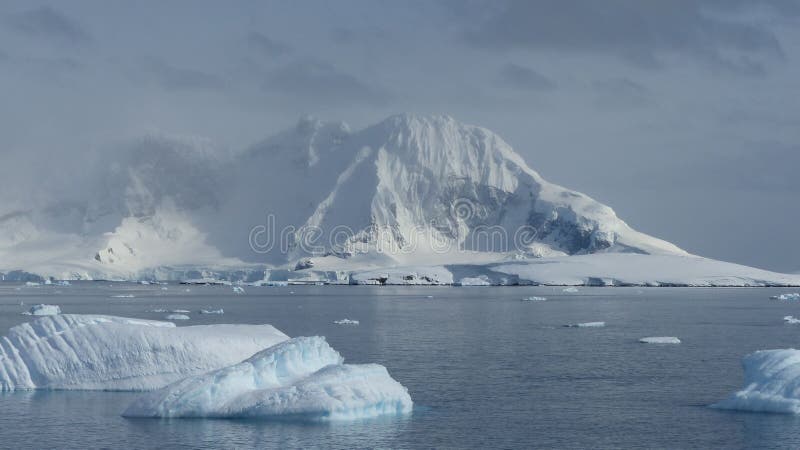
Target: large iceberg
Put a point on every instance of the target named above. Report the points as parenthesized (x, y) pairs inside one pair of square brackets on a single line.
[(93, 352), (771, 383), (302, 378)]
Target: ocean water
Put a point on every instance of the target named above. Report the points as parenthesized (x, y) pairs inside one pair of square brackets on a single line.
[(484, 369)]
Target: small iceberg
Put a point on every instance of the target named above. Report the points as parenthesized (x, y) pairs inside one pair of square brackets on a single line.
[(570, 290), (587, 325), (157, 310), (787, 297), (301, 379), (43, 310), (534, 299), (238, 290), (123, 296), (791, 320), (32, 283), (660, 340), (177, 317), (212, 311), (93, 352), (772, 383), (346, 322)]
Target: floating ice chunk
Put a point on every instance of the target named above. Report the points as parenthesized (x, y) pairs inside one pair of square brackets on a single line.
[(212, 311), (177, 317), (123, 296), (180, 311), (534, 299), (346, 322), (772, 383), (791, 320), (44, 310), (164, 288), (787, 297), (660, 340), (48, 282), (158, 310), (31, 283), (570, 290), (302, 378), (238, 290), (428, 296), (587, 325), (145, 282), (62, 283), (90, 352)]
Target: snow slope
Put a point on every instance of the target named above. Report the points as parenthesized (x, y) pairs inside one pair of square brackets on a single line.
[(300, 378), (320, 202), (92, 352)]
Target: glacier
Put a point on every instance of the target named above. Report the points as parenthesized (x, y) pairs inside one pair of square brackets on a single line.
[(96, 352), (299, 379), (771, 383)]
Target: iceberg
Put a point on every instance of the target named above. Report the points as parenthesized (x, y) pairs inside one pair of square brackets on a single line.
[(660, 340), (238, 290), (212, 311), (346, 322), (534, 299), (43, 310), (95, 352), (791, 320), (772, 383), (177, 317), (302, 378), (588, 325), (570, 290)]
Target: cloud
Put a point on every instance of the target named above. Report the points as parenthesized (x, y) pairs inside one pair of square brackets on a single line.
[(178, 78), (620, 92), (268, 46), (521, 77), (322, 82), (643, 33), (47, 22), (346, 36)]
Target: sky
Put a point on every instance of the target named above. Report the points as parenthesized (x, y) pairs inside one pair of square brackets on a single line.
[(683, 116)]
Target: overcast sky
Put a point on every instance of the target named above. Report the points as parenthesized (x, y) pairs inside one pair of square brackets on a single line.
[(684, 116)]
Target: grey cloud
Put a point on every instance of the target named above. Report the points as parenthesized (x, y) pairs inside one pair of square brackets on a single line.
[(321, 81), (49, 23), (268, 46), (640, 32), (521, 77), (352, 36), (178, 78), (620, 92)]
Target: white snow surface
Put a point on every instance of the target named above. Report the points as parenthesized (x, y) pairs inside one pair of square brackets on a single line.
[(302, 378), (44, 310), (660, 340), (95, 352), (771, 383)]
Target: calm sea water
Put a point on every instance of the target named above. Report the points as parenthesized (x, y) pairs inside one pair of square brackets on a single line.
[(483, 368)]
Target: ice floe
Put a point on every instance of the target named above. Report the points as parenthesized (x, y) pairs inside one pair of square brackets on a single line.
[(791, 320), (177, 317), (43, 310), (302, 378), (570, 290), (771, 383), (94, 352), (534, 299), (238, 290), (660, 340), (346, 322), (586, 325), (787, 297), (212, 311)]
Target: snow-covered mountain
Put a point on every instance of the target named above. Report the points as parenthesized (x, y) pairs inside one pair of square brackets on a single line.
[(319, 197)]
